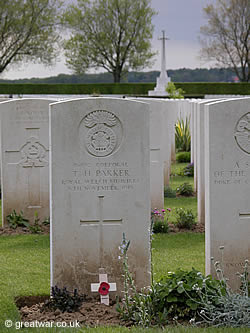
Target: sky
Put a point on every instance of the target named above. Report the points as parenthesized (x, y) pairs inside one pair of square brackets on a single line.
[(181, 20)]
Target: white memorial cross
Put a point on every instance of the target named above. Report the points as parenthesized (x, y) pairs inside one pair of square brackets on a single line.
[(103, 287), (101, 222)]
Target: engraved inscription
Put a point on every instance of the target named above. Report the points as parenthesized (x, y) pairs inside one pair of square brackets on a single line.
[(106, 176), (33, 116), (101, 132), (238, 174), (33, 154), (242, 133)]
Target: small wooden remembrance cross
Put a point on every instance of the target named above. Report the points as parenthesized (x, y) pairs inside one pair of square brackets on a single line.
[(103, 287)]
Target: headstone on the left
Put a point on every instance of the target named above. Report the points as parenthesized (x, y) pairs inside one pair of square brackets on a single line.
[(25, 157)]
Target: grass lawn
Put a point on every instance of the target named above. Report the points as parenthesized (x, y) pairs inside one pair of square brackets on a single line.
[(169, 252), (24, 269), (180, 202)]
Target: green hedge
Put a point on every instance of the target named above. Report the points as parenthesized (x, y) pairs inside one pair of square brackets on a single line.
[(191, 89), (75, 89), (214, 88)]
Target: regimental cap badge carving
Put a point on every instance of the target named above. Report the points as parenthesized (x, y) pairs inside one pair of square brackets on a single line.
[(102, 132), (100, 117), (242, 133), (33, 154)]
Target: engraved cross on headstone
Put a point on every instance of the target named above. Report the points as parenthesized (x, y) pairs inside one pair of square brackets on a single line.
[(101, 222), (244, 216), (31, 155)]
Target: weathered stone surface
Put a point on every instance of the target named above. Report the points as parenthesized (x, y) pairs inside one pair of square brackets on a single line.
[(99, 190), (25, 157), (227, 174)]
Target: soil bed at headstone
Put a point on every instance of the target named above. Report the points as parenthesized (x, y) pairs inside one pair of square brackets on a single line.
[(91, 312), (46, 230)]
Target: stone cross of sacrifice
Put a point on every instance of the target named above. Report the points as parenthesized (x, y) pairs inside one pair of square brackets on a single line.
[(103, 287)]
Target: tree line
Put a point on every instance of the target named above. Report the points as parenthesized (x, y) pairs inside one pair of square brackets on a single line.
[(113, 35), (177, 75)]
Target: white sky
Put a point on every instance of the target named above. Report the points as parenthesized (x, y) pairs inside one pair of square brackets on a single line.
[(181, 19)]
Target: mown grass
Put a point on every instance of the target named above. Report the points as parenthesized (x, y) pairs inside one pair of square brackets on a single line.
[(180, 250), (179, 329), (176, 181), (179, 202), (176, 177), (24, 270), (176, 168)]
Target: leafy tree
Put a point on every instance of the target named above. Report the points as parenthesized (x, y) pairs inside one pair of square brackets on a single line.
[(110, 34), (173, 92), (227, 35), (27, 31)]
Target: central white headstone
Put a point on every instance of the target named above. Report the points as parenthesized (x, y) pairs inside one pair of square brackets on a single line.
[(99, 190)]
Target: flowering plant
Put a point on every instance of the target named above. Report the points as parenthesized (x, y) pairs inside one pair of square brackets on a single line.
[(159, 223)]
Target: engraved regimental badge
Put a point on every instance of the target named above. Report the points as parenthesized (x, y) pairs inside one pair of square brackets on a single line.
[(242, 133), (33, 154), (102, 132)]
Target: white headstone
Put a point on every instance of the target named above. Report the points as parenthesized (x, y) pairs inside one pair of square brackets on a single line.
[(158, 151), (25, 157), (99, 190), (170, 116), (227, 174), (200, 159)]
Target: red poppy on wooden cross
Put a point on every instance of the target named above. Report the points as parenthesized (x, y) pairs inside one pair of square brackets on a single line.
[(103, 287)]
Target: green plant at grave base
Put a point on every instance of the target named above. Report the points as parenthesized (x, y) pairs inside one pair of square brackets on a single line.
[(136, 306), (159, 222), (64, 300), (178, 293), (176, 296), (183, 135), (189, 170), (46, 221), (169, 192), (173, 92), (231, 309), (35, 228), (17, 220), (185, 189), (185, 218), (183, 157)]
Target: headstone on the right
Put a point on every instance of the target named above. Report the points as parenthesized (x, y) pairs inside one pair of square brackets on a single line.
[(227, 174), (200, 152)]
